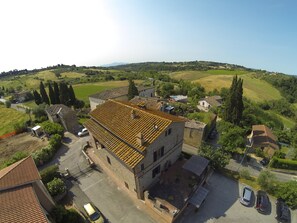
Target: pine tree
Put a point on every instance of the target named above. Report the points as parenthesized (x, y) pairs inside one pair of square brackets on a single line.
[(71, 95), (51, 94), (57, 93), (43, 94), (37, 97), (132, 90)]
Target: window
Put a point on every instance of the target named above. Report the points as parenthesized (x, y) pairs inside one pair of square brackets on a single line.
[(169, 131), (108, 160), (156, 171), (127, 185), (142, 166), (158, 153)]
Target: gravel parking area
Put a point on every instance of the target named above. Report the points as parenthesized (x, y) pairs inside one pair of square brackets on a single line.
[(222, 205)]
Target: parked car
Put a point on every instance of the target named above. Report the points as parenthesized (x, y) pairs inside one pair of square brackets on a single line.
[(264, 161), (282, 211), (246, 196), (93, 214), (83, 132), (262, 201)]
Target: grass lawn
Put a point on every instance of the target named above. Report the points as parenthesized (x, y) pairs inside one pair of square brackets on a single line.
[(82, 91), (30, 104), (9, 117), (295, 105), (72, 75), (288, 123)]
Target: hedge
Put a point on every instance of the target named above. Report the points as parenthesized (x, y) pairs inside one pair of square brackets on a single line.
[(283, 163), (49, 173)]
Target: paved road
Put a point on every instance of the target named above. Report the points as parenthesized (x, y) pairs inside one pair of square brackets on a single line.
[(222, 205), (93, 185)]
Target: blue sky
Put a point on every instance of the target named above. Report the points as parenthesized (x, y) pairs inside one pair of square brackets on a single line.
[(257, 34)]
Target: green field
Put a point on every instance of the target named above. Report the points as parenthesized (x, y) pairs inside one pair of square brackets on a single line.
[(253, 88), (288, 123), (9, 117)]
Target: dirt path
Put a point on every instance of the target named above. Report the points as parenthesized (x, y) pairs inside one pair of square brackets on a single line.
[(21, 142)]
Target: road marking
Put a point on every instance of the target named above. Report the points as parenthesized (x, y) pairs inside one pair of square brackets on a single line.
[(88, 187)]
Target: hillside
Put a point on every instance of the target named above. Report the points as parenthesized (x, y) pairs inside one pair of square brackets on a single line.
[(254, 88)]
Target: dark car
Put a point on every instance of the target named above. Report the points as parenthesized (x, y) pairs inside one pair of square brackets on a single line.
[(282, 211), (262, 201), (264, 161)]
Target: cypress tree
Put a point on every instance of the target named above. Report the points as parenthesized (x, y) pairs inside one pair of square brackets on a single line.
[(64, 94), (71, 95), (43, 94), (57, 93), (51, 94), (37, 97), (132, 90)]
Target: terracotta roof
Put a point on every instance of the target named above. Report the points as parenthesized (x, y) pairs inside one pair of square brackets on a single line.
[(19, 173), (124, 152), (116, 92), (213, 100), (113, 121), (152, 103), (20, 205), (263, 136), (54, 109)]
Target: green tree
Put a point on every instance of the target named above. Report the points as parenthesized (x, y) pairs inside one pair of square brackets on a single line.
[(43, 93), (51, 94), (217, 157), (72, 97), (57, 93), (40, 113), (7, 104), (56, 186), (52, 128), (64, 94), (233, 106), (37, 97), (288, 192), (267, 181), (132, 90)]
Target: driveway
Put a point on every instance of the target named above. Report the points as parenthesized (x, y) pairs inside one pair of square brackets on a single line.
[(93, 185), (222, 205)]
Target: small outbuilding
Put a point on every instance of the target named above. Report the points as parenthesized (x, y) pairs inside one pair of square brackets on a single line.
[(36, 130)]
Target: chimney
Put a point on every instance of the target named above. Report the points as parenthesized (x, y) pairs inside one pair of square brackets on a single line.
[(133, 115), (139, 139)]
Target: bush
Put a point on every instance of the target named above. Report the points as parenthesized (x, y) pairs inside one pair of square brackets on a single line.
[(16, 157), (19, 127), (43, 155), (7, 104), (245, 174), (49, 173), (52, 128), (267, 181), (288, 192), (56, 186), (283, 163), (55, 141), (259, 152), (62, 215)]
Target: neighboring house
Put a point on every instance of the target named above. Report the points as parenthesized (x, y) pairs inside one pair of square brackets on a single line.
[(153, 103), (23, 197), (263, 138), (63, 115), (210, 102), (179, 98), (120, 93), (21, 96), (137, 144), (194, 133)]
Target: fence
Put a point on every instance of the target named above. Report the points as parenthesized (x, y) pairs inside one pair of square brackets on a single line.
[(8, 135)]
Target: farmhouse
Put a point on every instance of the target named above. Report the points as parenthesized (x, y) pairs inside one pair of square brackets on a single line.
[(209, 102), (120, 93), (141, 148), (152, 103), (23, 197), (63, 115), (263, 138)]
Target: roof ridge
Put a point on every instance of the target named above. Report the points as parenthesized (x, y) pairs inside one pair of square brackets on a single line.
[(16, 164), (139, 109)]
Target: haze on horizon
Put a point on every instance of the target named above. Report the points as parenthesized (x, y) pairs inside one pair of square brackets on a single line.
[(254, 34)]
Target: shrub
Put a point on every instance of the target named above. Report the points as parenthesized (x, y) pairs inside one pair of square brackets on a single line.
[(52, 128), (245, 174), (288, 192), (43, 155), (49, 173), (7, 104), (56, 186), (259, 152), (16, 157), (19, 127), (55, 141), (267, 181), (283, 163), (62, 215)]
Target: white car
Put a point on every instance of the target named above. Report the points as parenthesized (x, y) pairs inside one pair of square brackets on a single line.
[(246, 196), (83, 132)]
